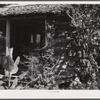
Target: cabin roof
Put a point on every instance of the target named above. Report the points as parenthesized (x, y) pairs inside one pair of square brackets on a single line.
[(11, 10)]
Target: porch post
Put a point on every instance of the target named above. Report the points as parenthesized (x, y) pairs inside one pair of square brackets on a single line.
[(7, 33), (46, 32)]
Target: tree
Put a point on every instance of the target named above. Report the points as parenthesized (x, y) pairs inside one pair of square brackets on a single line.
[(82, 48)]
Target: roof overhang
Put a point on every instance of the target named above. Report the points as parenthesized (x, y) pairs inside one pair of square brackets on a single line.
[(18, 9)]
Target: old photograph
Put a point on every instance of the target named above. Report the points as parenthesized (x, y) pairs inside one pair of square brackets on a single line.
[(49, 46)]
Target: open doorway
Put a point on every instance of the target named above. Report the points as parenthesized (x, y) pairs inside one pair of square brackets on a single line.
[(27, 34)]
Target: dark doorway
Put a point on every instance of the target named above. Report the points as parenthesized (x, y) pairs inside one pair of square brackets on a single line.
[(27, 34)]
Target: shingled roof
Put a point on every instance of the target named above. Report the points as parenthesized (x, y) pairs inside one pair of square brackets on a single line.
[(34, 8)]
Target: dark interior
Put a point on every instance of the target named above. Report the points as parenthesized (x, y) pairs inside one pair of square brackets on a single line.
[(27, 33)]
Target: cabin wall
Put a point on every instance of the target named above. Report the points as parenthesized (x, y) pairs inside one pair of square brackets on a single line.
[(17, 31)]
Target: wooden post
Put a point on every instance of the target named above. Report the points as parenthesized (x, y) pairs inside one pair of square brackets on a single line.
[(46, 41), (8, 45), (8, 33)]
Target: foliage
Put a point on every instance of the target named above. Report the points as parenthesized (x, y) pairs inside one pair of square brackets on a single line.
[(82, 46), (40, 73), (88, 38), (10, 68), (77, 64), (74, 68)]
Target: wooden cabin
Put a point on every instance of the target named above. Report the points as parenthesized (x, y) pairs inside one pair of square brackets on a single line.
[(26, 25)]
